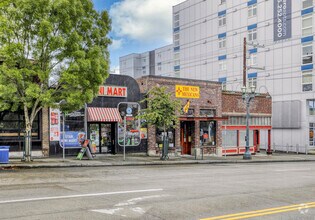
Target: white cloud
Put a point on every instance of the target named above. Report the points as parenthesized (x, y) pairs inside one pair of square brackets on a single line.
[(143, 20), (116, 44)]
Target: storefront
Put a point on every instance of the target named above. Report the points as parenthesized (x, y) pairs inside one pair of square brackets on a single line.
[(12, 132), (115, 106), (207, 122), (234, 129), (199, 126)]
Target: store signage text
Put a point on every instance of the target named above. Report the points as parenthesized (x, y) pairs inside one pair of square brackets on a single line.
[(187, 92), (113, 91)]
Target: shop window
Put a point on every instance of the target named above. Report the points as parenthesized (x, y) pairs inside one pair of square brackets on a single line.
[(170, 134), (311, 107), (311, 134), (242, 138), (12, 126), (207, 112), (229, 138), (252, 10), (208, 133)]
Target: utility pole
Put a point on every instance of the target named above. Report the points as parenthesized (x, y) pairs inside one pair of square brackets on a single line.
[(244, 63)]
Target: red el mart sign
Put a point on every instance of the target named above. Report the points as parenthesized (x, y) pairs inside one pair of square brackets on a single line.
[(113, 91)]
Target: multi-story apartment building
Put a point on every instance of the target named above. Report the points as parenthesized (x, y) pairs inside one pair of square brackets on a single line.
[(156, 62), (208, 41)]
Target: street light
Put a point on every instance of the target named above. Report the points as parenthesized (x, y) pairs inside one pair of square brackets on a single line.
[(247, 97), (62, 102)]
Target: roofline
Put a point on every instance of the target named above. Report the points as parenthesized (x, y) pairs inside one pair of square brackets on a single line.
[(181, 79)]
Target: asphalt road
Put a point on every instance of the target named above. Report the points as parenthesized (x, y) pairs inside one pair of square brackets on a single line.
[(262, 191)]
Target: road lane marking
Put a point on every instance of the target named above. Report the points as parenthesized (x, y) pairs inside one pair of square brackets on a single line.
[(289, 170), (78, 196), (269, 213), (262, 212)]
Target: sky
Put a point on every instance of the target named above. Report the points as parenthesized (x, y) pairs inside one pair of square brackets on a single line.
[(137, 25)]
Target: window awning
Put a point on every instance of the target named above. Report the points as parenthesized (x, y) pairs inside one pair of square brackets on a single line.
[(103, 115)]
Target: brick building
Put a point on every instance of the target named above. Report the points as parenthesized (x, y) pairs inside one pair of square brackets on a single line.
[(214, 119)]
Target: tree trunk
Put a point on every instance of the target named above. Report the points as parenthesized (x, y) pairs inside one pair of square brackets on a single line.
[(28, 144), (28, 136)]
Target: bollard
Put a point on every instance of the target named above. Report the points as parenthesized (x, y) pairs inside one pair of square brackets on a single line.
[(306, 149), (297, 148)]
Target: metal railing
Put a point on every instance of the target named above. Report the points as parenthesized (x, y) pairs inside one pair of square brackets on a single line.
[(291, 148)]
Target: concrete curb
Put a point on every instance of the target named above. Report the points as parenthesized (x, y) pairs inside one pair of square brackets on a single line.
[(70, 164)]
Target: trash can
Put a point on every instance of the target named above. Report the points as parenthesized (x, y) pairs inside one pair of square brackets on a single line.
[(4, 154)]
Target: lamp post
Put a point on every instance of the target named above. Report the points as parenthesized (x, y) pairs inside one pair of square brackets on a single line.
[(247, 97), (62, 102)]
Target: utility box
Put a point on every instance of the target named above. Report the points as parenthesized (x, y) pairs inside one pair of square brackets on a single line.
[(4, 154)]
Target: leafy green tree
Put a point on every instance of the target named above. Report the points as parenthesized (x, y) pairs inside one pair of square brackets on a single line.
[(161, 111), (51, 50)]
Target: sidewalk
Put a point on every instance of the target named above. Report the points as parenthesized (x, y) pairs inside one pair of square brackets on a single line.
[(139, 160)]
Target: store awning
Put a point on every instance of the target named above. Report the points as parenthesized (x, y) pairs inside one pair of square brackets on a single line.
[(103, 115)]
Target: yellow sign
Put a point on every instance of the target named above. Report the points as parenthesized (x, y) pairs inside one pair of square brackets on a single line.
[(192, 92)]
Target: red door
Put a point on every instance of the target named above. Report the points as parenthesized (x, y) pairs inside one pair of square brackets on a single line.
[(186, 129)]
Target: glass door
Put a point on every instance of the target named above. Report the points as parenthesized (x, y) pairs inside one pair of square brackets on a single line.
[(94, 136), (107, 138)]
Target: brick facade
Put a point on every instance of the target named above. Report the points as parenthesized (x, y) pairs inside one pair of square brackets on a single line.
[(232, 103), (210, 98)]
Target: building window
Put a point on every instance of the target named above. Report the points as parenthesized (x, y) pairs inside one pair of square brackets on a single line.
[(307, 81), (252, 10), (159, 66), (307, 25), (311, 107), (207, 112), (252, 82), (253, 59), (311, 134), (222, 42), (307, 53), (144, 60), (170, 134), (222, 65), (307, 3), (222, 20), (222, 2), (176, 17), (176, 56), (208, 133), (224, 86), (252, 34)]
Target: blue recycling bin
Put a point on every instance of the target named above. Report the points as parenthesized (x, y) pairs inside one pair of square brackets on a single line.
[(4, 154)]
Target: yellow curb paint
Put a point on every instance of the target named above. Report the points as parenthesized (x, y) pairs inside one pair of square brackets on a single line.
[(296, 207)]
